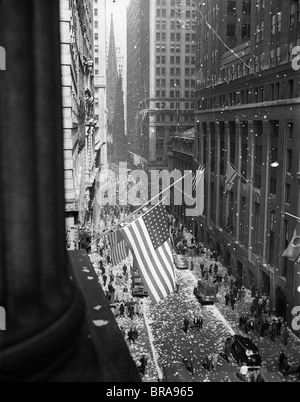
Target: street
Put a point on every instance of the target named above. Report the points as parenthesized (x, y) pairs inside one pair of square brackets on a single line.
[(162, 339)]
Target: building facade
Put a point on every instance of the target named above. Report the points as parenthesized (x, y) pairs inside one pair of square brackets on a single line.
[(161, 75), (181, 157), (76, 20), (99, 161), (248, 115)]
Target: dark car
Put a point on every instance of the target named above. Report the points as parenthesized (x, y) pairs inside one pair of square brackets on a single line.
[(245, 351)]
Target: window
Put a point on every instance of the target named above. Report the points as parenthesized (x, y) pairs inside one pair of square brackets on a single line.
[(279, 21), (290, 130), (246, 31), (272, 234), (286, 244), (231, 7), (273, 25), (258, 155), (231, 30), (273, 186), (257, 180), (293, 13), (289, 161), (247, 7), (288, 193)]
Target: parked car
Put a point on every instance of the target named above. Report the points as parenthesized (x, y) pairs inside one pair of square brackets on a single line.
[(181, 261), (245, 351), (206, 292)]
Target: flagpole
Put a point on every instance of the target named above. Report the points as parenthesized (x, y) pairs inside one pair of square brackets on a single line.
[(137, 211), (241, 176), (292, 216)]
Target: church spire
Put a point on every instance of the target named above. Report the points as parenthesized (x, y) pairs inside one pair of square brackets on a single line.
[(112, 73)]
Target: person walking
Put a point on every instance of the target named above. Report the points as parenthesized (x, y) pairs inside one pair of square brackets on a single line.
[(227, 299), (186, 324), (122, 310), (215, 359), (227, 350), (233, 301), (281, 360), (273, 332), (286, 336), (279, 326)]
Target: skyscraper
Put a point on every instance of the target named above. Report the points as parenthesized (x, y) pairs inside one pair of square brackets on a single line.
[(248, 116), (161, 46), (78, 109), (100, 78)]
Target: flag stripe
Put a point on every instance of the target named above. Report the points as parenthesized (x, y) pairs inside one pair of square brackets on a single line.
[(151, 255), (148, 281), (118, 247), (156, 266)]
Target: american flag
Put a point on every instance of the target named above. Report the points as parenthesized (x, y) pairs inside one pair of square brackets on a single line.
[(293, 250), (149, 240), (231, 175), (119, 249)]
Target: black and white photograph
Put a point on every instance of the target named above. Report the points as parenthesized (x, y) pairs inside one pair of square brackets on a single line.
[(150, 194)]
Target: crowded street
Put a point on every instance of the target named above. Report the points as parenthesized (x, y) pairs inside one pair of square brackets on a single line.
[(159, 336)]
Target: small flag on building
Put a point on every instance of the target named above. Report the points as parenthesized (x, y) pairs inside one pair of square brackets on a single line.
[(119, 249), (231, 175), (149, 240), (293, 250)]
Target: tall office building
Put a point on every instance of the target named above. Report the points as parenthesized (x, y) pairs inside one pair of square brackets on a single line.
[(100, 83), (76, 21), (161, 76), (248, 115), (100, 76)]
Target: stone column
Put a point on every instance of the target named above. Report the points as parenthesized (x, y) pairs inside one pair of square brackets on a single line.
[(44, 309), (217, 181), (239, 187), (251, 162)]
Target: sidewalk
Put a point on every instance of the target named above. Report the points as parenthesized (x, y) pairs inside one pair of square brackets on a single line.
[(269, 350)]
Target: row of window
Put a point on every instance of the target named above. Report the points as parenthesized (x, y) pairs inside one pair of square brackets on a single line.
[(161, 48), (176, 25), (176, 60), (276, 57), (163, 3), (175, 105), (248, 96), (162, 36), (175, 71), (161, 82), (175, 13), (175, 94), (173, 118)]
